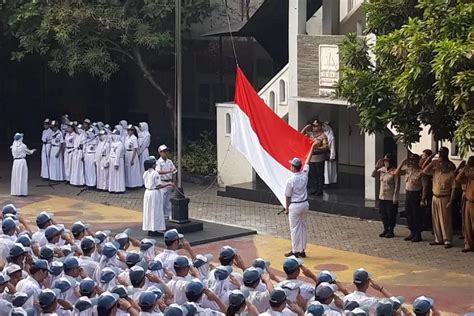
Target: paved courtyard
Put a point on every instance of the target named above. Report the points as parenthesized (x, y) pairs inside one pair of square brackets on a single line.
[(338, 243)]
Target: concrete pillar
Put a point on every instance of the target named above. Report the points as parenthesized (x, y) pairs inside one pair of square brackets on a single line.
[(373, 151), (296, 25), (402, 154), (330, 17)]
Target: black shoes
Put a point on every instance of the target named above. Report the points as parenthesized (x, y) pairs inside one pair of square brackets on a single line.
[(390, 235), (409, 237), (383, 234), (416, 238), (296, 254)]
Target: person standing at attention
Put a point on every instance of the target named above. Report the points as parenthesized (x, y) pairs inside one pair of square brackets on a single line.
[(102, 161), (56, 162), (414, 214), (133, 178), (153, 217), (144, 139), (444, 187), (69, 139), (166, 169), (318, 159), (466, 176), (19, 181), (116, 164), (388, 196), (45, 149), (296, 193)]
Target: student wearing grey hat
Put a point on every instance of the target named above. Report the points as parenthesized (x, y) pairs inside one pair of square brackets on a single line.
[(195, 292), (109, 303), (173, 242), (297, 205), (182, 267), (45, 149), (153, 216), (238, 304), (56, 161), (15, 272), (362, 282), (88, 247), (19, 175), (279, 306), (251, 279), (166, 168), (39, 271), (325, 294)]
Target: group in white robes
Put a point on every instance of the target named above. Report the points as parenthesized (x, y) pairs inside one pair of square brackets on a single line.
[(153, 217), (45, 149), (133, 178), (116, 164), (102, 161), (56, 162), (19, 181), (166, 169), (69, 139), (89, 157), (144, 139), (330, 168), (77, 163)]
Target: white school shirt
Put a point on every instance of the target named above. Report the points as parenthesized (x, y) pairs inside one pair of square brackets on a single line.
[(39, 238), (296, 187), (306, 290), (163, 166), (178, 288), (167, 258), (261, 300), (88, 265), (284, 312), (363, 299), (29, 285)]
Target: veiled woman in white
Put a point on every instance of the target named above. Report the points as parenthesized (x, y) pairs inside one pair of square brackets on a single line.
[(77, 162), (45, 149), (102, 161), (69, 139), (19, 181), (144, 139), (123, 129), (56, 157), (153, 216), (116, 164), (133, 176), (330, 168)]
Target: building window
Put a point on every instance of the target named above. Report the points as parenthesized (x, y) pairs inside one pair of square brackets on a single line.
[(271, 100), (228, 126), (350, 5), (282, 88)]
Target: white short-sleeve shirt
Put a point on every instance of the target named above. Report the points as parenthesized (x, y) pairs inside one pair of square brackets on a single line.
[(296, 186)]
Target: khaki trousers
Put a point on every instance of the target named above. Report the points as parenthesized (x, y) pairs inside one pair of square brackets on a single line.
[(442, 220), (469, 225)]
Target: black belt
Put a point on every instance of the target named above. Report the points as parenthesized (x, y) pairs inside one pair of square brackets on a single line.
[(152, 189), (18, 158), (129, 149), (441, 195), (55, 145), (69, 147), (299, 202), (166, 180), (470, 201)]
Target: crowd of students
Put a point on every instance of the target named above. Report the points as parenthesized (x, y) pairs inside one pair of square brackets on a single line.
[(54, 270)]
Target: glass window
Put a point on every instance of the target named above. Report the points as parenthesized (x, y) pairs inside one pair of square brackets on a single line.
[(228, 126), (271, 101), (282, 88)]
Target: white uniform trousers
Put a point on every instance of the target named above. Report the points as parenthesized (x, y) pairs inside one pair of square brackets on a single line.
[(297, 218), (166, 193)]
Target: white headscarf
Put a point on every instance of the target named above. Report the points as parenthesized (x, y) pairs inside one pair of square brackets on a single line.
[(328, 131), (17, 146)]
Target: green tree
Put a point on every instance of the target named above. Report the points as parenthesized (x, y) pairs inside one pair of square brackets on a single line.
[(422, 72), (99, 36)]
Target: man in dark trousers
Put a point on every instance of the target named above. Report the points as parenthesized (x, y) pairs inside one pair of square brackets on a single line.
[(316, 173)]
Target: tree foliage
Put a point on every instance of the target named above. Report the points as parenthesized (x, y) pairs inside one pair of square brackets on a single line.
[(422, 72), (99, 36)]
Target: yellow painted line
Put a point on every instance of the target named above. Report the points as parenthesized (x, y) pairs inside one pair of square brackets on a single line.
[(383, 270), (68, 210)]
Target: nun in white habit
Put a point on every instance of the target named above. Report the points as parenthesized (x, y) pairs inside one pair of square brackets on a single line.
[(45, 149), (102, 161), (69, 139), (77, 161), (144, 138), (19, 181), (123, 129), (153, 216), (116, 164), (56, 161), (133, 177), (330, 168)]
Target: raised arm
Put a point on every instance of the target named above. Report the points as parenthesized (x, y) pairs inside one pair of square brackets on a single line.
[(399, 171), (308, 159), (306, 128), (378, 165)]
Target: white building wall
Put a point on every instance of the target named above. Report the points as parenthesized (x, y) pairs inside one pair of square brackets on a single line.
[(232, 167)]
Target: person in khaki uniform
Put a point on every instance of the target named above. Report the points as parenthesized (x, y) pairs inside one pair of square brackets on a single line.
[(466, 177), (444, 187), (414, 214), (389, 193), (318, 159)]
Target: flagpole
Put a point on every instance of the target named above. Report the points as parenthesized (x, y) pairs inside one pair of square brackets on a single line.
[(178, 88)]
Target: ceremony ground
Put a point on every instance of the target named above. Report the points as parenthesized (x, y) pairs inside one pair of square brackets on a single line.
[(339, 244)]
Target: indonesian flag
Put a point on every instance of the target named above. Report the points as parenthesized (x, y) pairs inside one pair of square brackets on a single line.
[(267, 141)]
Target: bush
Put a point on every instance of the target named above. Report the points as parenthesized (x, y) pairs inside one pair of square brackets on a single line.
[(200, 156)]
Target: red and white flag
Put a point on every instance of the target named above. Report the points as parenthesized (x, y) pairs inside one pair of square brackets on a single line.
[(267, 141)]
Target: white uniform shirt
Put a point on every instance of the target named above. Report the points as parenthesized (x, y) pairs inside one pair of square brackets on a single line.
[(131, 142), (306, 290), (178, 287), (39, 238), (46, 136), (88, 265), (167, 257), (363, 299), (6, 243), (261, 300), (285, 312), (164, 166), (57, 138), (296, 187), (205, 311), (29, 285)]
